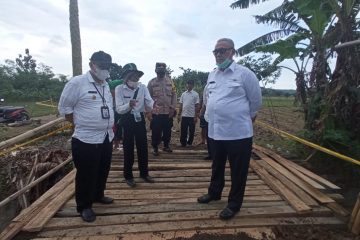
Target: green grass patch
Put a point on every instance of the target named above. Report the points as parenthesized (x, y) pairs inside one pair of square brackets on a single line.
[(34, 109), (278, 101)]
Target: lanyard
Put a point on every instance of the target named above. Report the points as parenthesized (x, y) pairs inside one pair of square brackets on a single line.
[(101, 95)]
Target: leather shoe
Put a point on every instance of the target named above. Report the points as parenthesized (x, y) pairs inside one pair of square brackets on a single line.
[(130, 182), (148, 179), (105, 200), (227, 213), (207, 158), (155, 152), (167, 149), (88, 215), (206, 198)]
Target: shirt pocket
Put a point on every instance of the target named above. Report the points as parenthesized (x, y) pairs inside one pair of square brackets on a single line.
[(236, 87), (168, 89), (157, 91)]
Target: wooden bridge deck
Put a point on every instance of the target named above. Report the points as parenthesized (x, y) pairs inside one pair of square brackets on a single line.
[(278, 192)]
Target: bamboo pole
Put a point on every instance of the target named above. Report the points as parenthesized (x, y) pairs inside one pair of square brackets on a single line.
[(354, 223), (30, 133), (347, 44), (26, 188)]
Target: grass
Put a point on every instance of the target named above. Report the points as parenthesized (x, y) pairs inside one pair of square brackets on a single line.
[(278, 101), (34, 109)]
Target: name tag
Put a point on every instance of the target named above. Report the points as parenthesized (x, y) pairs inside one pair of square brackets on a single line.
[(105, 113)]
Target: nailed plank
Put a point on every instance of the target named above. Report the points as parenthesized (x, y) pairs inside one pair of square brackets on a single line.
[(27, 214), (188, 225), (290, 185), (38, 221), (290, 164), (315, 193), (280, 188)]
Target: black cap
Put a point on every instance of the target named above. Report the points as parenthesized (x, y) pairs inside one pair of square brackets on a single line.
[(102, 59), (160, 65)]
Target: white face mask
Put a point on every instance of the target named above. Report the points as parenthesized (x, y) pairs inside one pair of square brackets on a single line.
[(133, 84), (101, 74)]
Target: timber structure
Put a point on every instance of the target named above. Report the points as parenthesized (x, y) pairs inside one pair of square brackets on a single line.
[(278, 192)]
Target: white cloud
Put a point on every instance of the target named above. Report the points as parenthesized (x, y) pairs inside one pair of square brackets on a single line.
[(180, 33)]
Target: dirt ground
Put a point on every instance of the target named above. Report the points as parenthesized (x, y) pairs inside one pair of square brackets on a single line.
[(287, 119)]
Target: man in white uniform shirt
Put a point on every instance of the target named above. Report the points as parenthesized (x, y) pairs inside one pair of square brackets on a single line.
[(132, 99), (233, 98), (86, 102), (188, 111)]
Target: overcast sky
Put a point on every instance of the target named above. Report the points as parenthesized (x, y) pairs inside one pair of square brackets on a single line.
[(181, 33)]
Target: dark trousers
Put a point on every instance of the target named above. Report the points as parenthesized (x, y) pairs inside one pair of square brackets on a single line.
[(187, 125), (208, 140), (238, 152), (161, 125), (134, 131), (92, 162)]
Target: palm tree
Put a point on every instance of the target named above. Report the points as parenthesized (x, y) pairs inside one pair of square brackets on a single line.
[(75, 38)]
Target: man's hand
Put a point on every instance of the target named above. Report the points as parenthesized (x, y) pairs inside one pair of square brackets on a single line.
[(132, 103), (69, 118), (172, 113), (149, 116)]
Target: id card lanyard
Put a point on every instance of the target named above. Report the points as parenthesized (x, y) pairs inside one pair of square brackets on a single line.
[(105, 113)]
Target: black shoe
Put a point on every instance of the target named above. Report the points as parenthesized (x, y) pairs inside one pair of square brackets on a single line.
[(207, 198), (148, 179), (227, 213), (207, 158), (88, 215), (183, 145), (167, 149), (155, 152), (105, 200), (130, 182)]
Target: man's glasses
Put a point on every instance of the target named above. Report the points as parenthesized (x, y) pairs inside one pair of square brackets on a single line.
[(221, 50)]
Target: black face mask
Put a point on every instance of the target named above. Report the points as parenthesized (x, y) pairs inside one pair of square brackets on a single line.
[(160, 74)]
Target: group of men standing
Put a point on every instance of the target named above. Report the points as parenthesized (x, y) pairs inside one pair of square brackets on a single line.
[(231, 99)]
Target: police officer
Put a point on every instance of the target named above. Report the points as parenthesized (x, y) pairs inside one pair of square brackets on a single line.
[(233, 98), (132, 99), (163, 92)]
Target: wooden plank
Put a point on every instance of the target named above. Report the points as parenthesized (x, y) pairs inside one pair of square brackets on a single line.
[(290, 185), (273, 211), (315, 193), (338, 210), (188, 225), (27, 214), (258, 233), (164, 207), (280, 188), (46, 213), (295, 172), (290, 164)]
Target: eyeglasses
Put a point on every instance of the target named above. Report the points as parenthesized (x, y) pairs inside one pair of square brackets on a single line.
[(221, 50)]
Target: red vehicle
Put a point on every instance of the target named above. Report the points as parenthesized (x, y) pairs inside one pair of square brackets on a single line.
[(12, 114)]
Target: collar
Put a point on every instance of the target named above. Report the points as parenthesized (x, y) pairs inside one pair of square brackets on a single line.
[(231, 67)]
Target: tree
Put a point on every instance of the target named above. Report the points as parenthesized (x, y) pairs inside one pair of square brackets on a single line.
[(198, 77), (75, 38), (26, 63), (115, 71)]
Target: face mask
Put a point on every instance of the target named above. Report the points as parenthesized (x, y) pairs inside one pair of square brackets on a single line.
[(132, 84), (101, 74), (160, 72), (225, 64)]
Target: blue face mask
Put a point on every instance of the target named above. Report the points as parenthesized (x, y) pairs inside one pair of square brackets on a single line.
[(225, 64)]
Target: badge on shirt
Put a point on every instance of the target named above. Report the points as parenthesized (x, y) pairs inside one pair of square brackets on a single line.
[(93, 97), (105, 113)]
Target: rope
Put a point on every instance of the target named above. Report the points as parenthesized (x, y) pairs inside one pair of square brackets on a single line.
[(307, 143)]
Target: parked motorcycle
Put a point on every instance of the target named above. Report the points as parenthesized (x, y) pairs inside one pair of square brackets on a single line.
[(12, 114)]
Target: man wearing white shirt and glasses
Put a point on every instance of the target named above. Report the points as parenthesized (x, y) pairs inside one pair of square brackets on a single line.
[(233, 98), (132, 99), (86, 102)]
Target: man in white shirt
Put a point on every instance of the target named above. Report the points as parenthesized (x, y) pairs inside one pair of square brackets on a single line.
[(132, 99), (86, 102), (188, 111), (233, 98)]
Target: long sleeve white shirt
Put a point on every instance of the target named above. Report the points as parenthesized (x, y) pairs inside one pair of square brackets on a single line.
[(81, 98), (232, 99), (123, 95)]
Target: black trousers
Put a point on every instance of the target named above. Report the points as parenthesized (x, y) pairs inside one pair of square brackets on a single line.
[(238, 152), (187, 125), (161, 125), (134, 131), (92, 162)]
